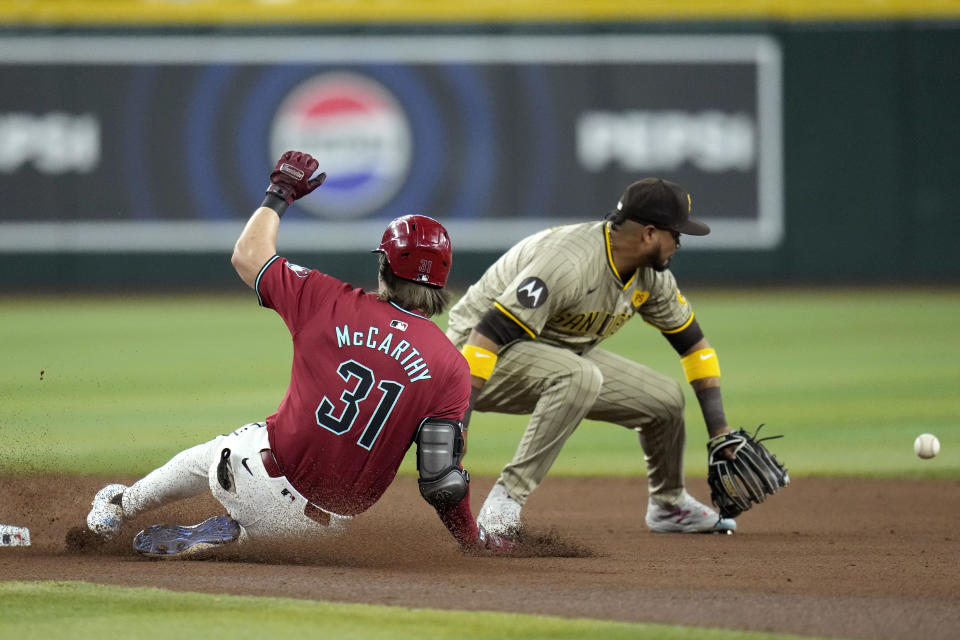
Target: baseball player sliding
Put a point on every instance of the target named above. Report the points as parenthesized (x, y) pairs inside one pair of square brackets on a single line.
[(530, 330), (371, 375)]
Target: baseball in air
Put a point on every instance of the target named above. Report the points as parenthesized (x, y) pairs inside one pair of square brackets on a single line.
[(926, 446)]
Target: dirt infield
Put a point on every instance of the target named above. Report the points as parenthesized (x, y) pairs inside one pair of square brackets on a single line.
[(839, 558)]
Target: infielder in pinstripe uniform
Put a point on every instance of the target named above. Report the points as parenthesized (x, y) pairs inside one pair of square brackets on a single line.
[(530, 330)]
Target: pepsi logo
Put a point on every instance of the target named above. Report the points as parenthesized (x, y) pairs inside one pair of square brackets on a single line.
[(357, 131)]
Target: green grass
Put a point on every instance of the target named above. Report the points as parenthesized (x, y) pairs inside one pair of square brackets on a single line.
[(118, 385), (45, 610), (849, 377)]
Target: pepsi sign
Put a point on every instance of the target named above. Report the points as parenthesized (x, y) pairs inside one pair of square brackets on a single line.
[(495, 136), (360, 132)]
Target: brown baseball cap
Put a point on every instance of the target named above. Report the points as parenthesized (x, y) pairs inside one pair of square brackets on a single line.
[(663, 204)]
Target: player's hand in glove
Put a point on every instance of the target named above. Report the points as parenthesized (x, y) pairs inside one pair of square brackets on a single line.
[(291, 179), (747, 477), (492, 543)]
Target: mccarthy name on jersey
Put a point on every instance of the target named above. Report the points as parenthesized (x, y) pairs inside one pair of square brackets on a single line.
[(403, 352)]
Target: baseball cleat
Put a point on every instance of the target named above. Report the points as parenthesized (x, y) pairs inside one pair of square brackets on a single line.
[(689, 516), (500, 513), (177, 542), (106, 514)]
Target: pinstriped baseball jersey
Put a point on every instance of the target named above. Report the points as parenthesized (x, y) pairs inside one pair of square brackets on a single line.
[(561, 286)]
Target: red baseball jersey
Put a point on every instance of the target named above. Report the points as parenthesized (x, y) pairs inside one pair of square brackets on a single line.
[(365, 375)]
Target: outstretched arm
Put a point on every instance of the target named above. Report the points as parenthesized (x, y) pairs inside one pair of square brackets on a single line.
[(703, 373), (443, 482), (256, 245), (483, 346), (481, 354), (702, 369), (289, 181), (445, 485)]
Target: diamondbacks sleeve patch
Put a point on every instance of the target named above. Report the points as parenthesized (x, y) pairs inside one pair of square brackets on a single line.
[(301, 272)]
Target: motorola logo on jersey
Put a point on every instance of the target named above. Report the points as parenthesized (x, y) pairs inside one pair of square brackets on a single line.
[(359, 133), (532, 292)]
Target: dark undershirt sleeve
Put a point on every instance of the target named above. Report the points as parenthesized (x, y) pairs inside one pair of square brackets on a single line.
[(496, 326), (683, 340)]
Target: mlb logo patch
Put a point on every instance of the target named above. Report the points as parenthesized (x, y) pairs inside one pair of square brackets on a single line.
[(398, 324)]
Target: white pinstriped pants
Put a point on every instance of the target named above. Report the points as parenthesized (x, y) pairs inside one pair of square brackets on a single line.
[(559, 388), (264, 506)]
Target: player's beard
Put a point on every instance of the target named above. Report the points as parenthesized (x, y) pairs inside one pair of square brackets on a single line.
[(657, 263)]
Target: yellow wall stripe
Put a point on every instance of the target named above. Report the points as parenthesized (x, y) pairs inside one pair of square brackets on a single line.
[(299, 12)]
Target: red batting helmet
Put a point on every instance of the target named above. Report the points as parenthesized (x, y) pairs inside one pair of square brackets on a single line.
[(418, 249)]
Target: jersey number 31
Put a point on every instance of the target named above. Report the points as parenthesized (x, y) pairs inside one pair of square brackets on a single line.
[(351, 399)]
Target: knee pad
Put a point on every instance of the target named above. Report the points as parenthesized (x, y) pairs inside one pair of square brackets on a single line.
[(439, 450)]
